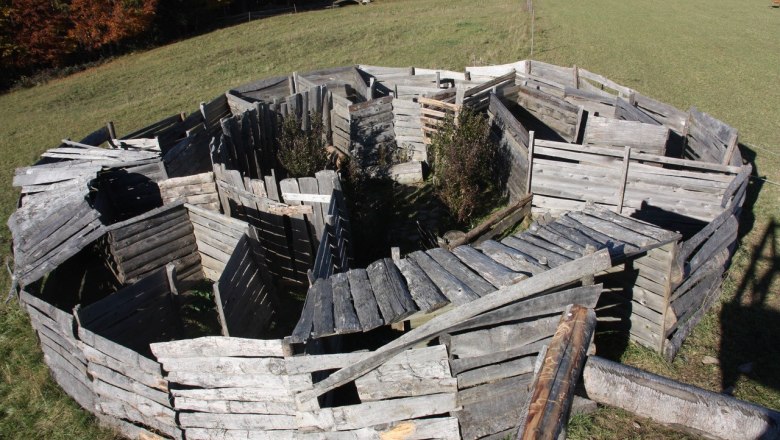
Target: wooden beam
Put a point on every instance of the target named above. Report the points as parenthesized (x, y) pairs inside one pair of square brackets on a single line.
[(553, 392), (487, 226)]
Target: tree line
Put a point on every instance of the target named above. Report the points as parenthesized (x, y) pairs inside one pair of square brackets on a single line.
[(45, 35)]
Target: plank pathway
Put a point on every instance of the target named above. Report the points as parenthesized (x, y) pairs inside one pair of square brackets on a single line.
[(390, 291)]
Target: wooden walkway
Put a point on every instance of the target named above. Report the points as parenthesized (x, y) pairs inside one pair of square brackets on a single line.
[(390, 291)]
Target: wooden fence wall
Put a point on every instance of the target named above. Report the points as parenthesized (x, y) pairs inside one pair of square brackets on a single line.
[(143, 244), (216, 237), (510, 135), (408, 129), (244, 294), (564, 176), (58, 337), (372, 132), (699, 265)]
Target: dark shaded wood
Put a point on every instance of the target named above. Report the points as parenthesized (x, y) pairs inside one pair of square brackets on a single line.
[(364, 300), (425, 294), (323, 307), (388, 294), (344, 316)]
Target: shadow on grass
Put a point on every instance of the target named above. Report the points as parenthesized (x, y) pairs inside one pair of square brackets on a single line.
[(750, 327)]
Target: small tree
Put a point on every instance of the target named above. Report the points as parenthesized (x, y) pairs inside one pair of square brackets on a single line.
[(300, 153), (464, 164)]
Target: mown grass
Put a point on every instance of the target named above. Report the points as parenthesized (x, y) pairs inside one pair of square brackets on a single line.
[(141, 88), (722, 57), (719, 55)]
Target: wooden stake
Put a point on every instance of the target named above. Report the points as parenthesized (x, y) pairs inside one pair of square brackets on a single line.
[(623, 180), (531, 140)]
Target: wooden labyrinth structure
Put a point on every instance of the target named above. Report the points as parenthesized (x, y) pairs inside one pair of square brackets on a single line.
[(636, 206)]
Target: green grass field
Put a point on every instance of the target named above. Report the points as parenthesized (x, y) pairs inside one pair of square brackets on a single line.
[(719, 55)]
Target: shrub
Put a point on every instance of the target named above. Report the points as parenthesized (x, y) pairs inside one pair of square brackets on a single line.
[(301, 153), (465, 164)]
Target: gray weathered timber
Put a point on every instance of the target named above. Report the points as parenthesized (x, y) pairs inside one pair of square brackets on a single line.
[(550, 303), (323, 323), (453, 265), (363, 299), (462, 364), (567, 273), (425, 294), (497, 274), (683, 407), (456, 291), (552, 259), (375, 413), (510, 257), (415, 372), (210, 346), (344, 315), (390, 292)]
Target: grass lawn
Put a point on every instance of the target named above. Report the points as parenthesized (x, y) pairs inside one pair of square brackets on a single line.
[(719, 55)]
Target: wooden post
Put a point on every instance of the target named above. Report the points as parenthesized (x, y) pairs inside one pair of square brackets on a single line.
[(291, 83), (411, 71), (576, 73), (371, 88), (467, 75), (624, 179), (111, 129), (531, 141), (326, 123), (438, 80), (553, 392), (732, 146)]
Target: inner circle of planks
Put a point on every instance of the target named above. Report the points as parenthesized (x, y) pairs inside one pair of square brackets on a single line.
[(637, 206)]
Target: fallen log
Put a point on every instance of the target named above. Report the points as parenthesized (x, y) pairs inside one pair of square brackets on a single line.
[(553, 391), (677, 405)]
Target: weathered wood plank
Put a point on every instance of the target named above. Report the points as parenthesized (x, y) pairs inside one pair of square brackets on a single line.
[(216, 346), (345, 317), (426, 295), (364, 300), (455, 290)]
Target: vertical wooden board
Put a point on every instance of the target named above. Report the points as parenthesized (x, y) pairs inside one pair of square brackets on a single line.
[(364, 300), (302, 244), (305, 325), (344, 315), (309, 185)]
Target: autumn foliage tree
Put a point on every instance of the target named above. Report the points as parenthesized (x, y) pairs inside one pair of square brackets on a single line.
[(103, 24)]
